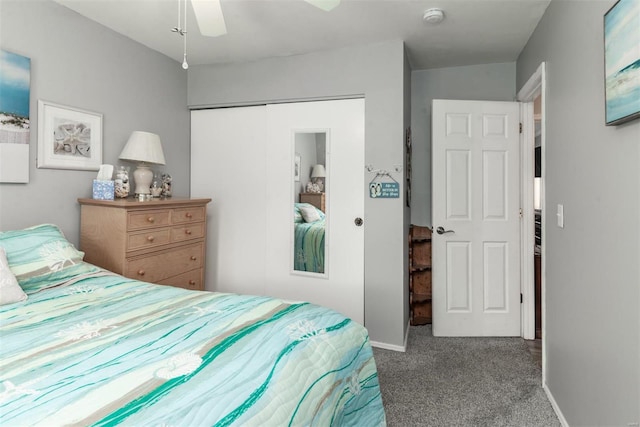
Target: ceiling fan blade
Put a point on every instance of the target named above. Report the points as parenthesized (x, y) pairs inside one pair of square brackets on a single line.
[(326, 5), (209, 16)]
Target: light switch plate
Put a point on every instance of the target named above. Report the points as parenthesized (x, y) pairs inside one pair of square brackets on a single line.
[(560, 215)]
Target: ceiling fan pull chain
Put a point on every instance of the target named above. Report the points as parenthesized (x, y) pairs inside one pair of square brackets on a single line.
[(177, 29), (185, 65)]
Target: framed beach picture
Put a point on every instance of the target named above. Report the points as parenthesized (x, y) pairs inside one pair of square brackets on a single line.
[(622, 62), (15, 82), (68, 138), (296, 168)]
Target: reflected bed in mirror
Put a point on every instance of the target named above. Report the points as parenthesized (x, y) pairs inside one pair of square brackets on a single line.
[(309, 232), (309, 195)]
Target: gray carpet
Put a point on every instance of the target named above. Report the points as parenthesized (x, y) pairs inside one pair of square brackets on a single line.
[(462, 382)]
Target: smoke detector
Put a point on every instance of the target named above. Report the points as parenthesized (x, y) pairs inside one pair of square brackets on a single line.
[(433, 16)]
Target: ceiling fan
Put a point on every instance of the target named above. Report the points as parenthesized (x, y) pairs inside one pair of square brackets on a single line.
[(211, 20)]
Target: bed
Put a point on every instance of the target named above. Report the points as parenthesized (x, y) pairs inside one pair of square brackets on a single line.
[(309, 227), (89, 347)]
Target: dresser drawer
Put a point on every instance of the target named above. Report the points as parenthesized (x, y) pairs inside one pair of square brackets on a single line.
[(189, 280), (186, 215), (162, 265), (148, 239), (187, 232), (147, 219)]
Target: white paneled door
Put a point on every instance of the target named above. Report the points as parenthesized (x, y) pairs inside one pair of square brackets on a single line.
[(476, 218)]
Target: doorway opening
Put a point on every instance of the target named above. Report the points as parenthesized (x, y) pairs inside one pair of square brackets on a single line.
[(537, 207), (535, 345), (532, 95)]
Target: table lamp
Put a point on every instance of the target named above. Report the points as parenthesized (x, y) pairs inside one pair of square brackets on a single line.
[(318, 172), (144, 148)]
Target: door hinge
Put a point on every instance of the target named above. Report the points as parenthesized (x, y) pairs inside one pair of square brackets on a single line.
[(520, 127), (521, 298)]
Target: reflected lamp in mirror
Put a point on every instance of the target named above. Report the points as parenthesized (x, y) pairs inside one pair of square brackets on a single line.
[(144, 148), (318, 174)]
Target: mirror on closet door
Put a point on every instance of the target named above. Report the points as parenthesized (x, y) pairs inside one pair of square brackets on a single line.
[(309, 203)]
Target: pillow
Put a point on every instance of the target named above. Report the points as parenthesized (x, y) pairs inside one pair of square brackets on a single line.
[(297, 215), (10, 290), (41, 257), (310, 213)]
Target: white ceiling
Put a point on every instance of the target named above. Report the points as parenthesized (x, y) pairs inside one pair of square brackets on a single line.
[(473, 32)]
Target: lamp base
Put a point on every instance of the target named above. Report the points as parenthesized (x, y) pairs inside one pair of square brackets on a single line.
[(143, 176)]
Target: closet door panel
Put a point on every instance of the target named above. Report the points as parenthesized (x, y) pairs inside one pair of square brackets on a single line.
[(228, 152), (340, 285)]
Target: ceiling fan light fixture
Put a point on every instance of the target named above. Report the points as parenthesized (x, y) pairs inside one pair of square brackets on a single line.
[(209, 17), (433, 16), (326, 5)]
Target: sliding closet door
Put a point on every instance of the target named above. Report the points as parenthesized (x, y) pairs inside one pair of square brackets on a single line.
[(228, 165), (245, 160), (338, 282)]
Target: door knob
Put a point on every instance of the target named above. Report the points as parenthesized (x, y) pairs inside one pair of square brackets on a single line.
[(441, 230), (358, 221)]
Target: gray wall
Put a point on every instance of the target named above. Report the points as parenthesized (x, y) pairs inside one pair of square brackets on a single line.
[(375, 71), (306, 147), (79, 63), (489, 82), (592, 296)]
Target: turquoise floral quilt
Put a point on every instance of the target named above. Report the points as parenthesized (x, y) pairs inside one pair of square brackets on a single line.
[(104, 350)]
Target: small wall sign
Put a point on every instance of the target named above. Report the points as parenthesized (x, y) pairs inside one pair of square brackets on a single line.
[(384, 190)]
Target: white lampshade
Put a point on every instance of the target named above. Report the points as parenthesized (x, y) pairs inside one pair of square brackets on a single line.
[(145, 148), (318, 171)]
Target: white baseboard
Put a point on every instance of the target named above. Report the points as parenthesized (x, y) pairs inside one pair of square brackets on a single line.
[(555, 406), (401, 348), (406, 335), (388, 346)]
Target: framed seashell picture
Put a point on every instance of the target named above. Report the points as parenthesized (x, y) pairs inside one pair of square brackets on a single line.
[(68, 138)]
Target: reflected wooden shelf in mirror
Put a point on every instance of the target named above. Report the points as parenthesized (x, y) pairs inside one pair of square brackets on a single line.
[(315, 199), (420, 274)]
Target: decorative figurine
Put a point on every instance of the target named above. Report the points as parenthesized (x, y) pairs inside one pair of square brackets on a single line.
[(313, 187), (166, 185)]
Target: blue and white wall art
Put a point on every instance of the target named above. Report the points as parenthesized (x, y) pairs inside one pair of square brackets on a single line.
[(15, 80), (622, 61)]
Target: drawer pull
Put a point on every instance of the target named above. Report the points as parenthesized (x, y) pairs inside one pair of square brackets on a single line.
[(188, 215), (192, 282), (187, 231), (151, 219), (140, 272), (193, 258), (151, 238)]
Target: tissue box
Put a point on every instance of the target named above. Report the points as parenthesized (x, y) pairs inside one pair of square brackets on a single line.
[(103, 189)]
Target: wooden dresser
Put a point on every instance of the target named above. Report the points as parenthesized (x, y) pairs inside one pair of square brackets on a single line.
[(315, 199), (159, 241)]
